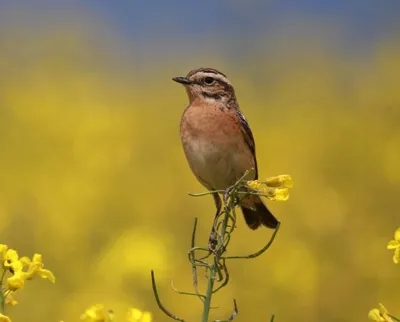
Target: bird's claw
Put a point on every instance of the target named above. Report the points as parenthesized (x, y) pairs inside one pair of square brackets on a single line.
[(226, 194)]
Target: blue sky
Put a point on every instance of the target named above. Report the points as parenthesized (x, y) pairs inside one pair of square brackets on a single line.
[(230, 27), (208, 16)]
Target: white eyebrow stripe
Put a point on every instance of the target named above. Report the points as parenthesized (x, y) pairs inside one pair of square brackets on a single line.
[(219, 77)]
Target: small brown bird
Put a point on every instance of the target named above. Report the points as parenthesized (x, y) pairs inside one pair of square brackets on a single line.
[(218, 142)]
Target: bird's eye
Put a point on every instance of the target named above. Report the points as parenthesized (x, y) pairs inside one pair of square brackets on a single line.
[(209, 80)]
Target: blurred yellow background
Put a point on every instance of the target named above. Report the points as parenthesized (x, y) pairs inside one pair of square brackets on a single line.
[(92, 174)]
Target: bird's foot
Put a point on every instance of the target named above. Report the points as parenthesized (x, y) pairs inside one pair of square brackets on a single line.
[(226, 194)]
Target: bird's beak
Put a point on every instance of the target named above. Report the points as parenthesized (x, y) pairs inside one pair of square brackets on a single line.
[(181, 80)]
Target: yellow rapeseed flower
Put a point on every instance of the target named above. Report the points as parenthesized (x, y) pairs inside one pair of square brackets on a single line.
[(380, 315), (135, 315), (9, 300), (281, 194), (281, 181), (4, 318), (254, 184), (276, 188), (35, 267), (395, 245), (96, 313), (146, 317), (375, 315), (16, 281), (10, 257)]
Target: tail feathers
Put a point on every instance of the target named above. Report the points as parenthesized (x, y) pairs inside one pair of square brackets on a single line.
[(256, 213)]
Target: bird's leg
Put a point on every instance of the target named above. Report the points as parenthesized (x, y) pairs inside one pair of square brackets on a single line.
[(226, 194), (212, 242)]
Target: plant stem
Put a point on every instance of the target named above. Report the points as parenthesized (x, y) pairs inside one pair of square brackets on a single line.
[(2, 296), (213, 268), (2, 299), (210, 288), (392, 317)]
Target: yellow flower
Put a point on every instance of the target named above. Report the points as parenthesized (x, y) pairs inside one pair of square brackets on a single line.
[(16, 266), (375, 315), (135, 315), (254, 184), (17, 281), (9, 300), (281, 181), (35, 267), (281, 194), (276, 187), (395, 245), (10, 257), (97, 313), (4, 318), (380, 315), (146, 317)]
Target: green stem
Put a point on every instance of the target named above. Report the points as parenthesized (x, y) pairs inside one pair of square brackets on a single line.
[(2, 297), (213, 268), (261, 251), (1, 302), (209, 293), (396, 319)]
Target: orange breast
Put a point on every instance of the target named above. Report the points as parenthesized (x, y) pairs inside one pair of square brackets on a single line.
[(214, 145)]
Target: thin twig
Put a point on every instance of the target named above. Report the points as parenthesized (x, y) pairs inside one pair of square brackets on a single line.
[(261, 251), (2, 300), (235, 311), (226, 279), (394, 318), (219, 268), (2, 296), (185, 293), (194, 264), (233, 315), (204, 193), (162, 308)]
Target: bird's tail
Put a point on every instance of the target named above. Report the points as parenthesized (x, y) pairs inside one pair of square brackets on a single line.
[(256, 213)]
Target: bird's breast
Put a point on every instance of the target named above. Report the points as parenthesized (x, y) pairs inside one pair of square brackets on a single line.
[(214, 146)]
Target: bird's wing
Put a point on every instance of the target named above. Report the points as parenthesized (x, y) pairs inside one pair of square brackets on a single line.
[(248, 137)]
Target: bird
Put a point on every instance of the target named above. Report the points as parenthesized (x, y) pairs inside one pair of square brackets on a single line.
[(218, 142)]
